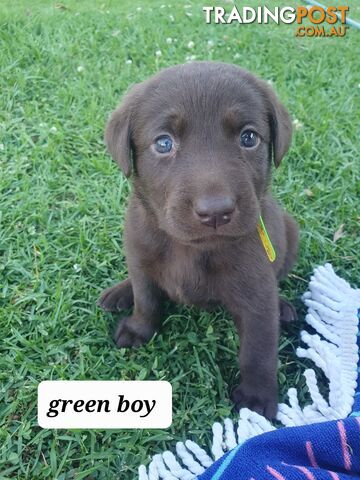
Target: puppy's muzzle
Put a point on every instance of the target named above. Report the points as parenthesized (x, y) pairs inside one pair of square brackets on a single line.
[(214, 211)]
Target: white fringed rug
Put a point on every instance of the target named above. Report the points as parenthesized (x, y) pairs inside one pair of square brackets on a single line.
[(333, 313)]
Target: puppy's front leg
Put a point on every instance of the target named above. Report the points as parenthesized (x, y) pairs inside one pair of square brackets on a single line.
[(138, 328), (257, 320)]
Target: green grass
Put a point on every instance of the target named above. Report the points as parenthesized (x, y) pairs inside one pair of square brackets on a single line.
[(62, 204)]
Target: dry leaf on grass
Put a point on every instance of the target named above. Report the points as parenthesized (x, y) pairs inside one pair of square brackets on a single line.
[(309, 193), (339, 233)]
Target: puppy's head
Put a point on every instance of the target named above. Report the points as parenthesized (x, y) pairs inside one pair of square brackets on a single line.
[(199, 140)]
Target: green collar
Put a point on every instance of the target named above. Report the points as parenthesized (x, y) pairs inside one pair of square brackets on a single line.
[(265, 240)]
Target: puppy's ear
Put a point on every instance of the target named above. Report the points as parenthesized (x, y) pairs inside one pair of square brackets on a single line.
[(280, 128), (118, 132)]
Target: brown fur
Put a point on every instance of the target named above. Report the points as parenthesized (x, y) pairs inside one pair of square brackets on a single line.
[(171, 253)]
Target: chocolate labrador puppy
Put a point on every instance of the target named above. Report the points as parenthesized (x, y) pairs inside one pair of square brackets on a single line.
[(202, 228)]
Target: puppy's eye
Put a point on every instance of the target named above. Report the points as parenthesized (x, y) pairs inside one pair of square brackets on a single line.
[(249, 139), (164, 144)]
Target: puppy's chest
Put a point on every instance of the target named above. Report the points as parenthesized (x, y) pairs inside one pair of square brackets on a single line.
[(192, 278)]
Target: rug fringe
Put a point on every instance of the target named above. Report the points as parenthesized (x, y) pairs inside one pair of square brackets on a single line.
[(332, 312)]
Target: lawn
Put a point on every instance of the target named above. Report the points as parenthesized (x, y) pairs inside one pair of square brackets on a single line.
[(64, 67)]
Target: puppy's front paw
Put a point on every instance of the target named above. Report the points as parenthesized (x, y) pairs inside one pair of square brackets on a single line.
[(118, 297), (287, 312), (130, 333), (259, 400)]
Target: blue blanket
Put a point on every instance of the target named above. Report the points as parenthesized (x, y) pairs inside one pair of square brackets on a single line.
[(329, 451)]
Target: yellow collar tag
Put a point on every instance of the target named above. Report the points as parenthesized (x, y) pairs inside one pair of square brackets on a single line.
[(265, 240)]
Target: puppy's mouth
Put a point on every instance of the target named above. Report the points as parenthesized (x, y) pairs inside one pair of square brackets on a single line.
[(183, 226), (214, 238), (199, 238)]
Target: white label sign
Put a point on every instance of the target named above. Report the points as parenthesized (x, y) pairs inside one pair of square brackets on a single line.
[(104, 404)]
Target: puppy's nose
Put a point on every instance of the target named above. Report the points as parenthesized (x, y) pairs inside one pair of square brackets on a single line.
[(214, 211)]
